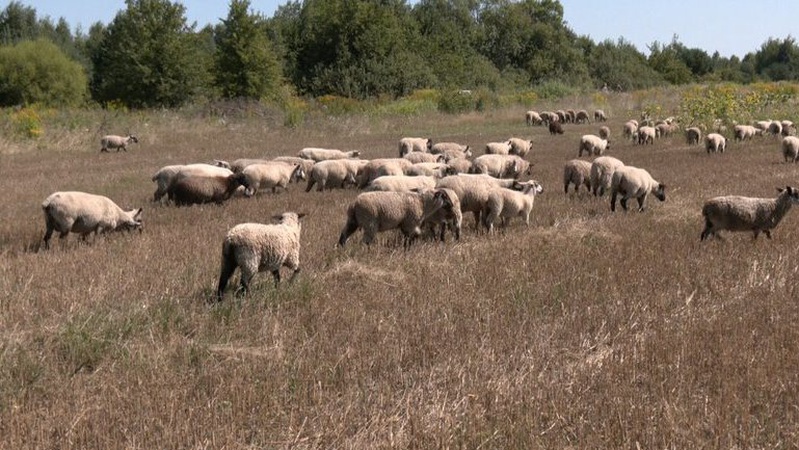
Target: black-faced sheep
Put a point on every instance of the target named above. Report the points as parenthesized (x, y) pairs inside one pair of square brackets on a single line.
[(451, 150), (736, 213), (646, 135), (520, 147), (80, 212), (410, 144), (693, 135), (604, 132), (382, 166), (473, 190), (167, 174), (498, 148), (501, 166), (633, 182), (533, 118), (555, 128), (715, 142), (273, 174), (117, 142), (599, 116), (602, 169), (581, 117), (195, 189), (578, 173), (334, 173)]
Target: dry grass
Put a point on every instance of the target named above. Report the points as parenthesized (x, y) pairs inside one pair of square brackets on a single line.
[(586, 330)]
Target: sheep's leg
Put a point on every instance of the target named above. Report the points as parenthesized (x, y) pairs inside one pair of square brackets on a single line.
[(246, 277), (707, 231), (276, 275), (641, 201), (767, 233), (349, 228), (613, 202), (228, 267), (310, 185), (294, 274), (476, 220), (623, 202)]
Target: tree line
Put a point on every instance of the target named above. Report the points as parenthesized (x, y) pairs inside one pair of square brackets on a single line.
[(150, 56)]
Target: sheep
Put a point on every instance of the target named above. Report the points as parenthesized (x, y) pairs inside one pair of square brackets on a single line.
[(272, 175), (409, 144), (324, 154), (633, 182), (604, 132), (334, 173), (80, 212), (305, 163), (507, 203), (167, 174), (715, 142), (238, 165), (555, 128), (646, 135), (195, 189), (437, 170), (745, 132), (577, 172), (446, 217), (117, 142), (520, 147), (582, 116), (775, 128), (533, 118), (380, 167), (790, 148), (419, 157), (562, 117), (458, 165), (788, 129), (570, 115), (630, 130), (382, 211), (693, 135), (451, 150), (665, 129), (548, 117), (762, 125), (472, 190), (593, 145), (602, 169), (736, 213), (501, 166), (401, 183), (256, 247), (498, 148), (599, 116)]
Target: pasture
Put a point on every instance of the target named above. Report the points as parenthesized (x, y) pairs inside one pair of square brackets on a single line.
[(587, 329)]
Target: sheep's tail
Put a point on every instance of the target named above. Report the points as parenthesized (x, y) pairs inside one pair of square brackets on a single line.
[(227, 269), (350, 227)]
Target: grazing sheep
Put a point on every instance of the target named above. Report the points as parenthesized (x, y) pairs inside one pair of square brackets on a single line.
[(375, 212), (324, 154), (599, 116), (693, 135), (630, 130), (555, 128), (196, 189), (577, 172), (409, 144), (646, 135), (117, 142), (790, 148), (775, 128), (632, 182), (458, 165), (665, 129), (762, 125), (401, 183), (746, 132), (256, 247), (548, 117), (501, 166), (167, 174), (602, 169), (570, 115), (582, 116), (451, 218), (562, 116), (473, 190), (274, 174), (382, 166), (79, 212), (334, 173), (788, 129), (604, 132), (437, 170), (520, 147), (420, 157), (533, 118), (593, 145), (507, 203), (238, 165), (736, 213), (498, 148), (715, 142), (451, 150), (305, 163)]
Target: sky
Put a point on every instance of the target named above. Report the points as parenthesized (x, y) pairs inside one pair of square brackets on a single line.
[(731, 27)]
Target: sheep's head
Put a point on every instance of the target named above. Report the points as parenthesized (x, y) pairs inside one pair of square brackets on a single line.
[(791, 192), (297, 174), (660, 192), (132, 221), (133, 139)]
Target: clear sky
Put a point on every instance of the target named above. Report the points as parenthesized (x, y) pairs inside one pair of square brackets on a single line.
[(731, 27)]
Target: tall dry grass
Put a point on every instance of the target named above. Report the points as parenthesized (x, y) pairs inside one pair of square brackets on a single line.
[(586, 330)]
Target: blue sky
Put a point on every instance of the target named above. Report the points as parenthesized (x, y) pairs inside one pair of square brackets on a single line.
[(733, 27)]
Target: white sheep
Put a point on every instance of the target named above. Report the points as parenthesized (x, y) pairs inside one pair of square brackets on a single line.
[(305, 163), (520, 147), (599, 116), (762, 125), (633, 182), (745, 132), (581, 116), (80, 212), (324, 154), (593, 145), (167, 174), (444, 218), (458, 165), (501, 166), (256, 247), (790, 148), (382, 166), (507, 203), (334, 173), (577, 172), (382, 211), (788, 128), (411, 144), (272, 175), (451, 150), (715, 142), (117, 142), (646, 135), (548, 117), (630, 130), (775, 128), (604, 132), (473, 190), (401, 183), (239, 164), (693, 135), (736, 213), (602, 169), (498, 148), (421, 157), (437, 170), (533, 118)]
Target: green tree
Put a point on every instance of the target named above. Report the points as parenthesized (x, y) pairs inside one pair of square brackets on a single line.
[(620, 66), (148, 57), (18, 22), (665, 60), (39, 72), (778, 59), (245, 65)]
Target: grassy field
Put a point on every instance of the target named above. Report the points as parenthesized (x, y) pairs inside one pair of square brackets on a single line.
[(587, 329)]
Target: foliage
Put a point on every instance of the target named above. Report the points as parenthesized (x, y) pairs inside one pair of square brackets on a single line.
[(27, 122), (38, 72), (619, 66), (554, 90), (733, 103)]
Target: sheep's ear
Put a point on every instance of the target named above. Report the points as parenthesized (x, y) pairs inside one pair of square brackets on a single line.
[(301, 215), (779, 189), (137, 215), (277, 217)]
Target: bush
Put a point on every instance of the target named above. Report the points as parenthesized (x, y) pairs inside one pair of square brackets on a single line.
[(553, 90)]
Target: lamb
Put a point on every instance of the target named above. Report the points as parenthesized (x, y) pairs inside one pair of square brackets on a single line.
[(274, 174), (604, 132), (458, 165), (498, 148), (473, 190), (630, 130), (746, 132), (256, 247), (593, 145), (693, 135), (451, 150), (632, 182), (646, 135), (555, 128), (715, 142), (437, 170), (196, 189), (446, 217), (736, 213), (80, 212), (305, 163), (420, 157), (167, 174), (507, 203), (501, 166), (117, 142), (324, 154), (599, 116), (382, 211), (409, 144), (582, 116), (520, 147), (577, 172), (401, 183), (533, 118), (790, 148), (602, 169), (382, 166), (334, 173)]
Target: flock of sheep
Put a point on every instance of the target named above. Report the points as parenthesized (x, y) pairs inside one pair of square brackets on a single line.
[(427, 188)]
